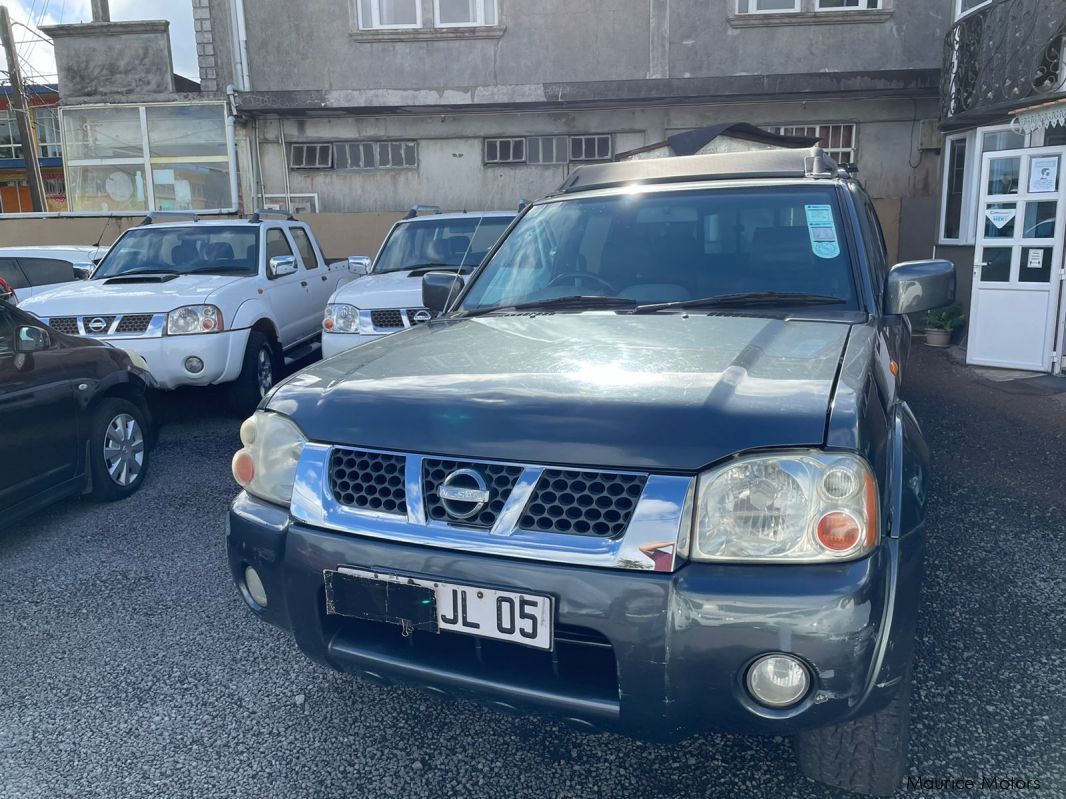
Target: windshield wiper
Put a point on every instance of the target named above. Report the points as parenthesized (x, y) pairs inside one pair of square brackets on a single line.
[(573, 302), (206, 270), (753, 298), (152, 271)]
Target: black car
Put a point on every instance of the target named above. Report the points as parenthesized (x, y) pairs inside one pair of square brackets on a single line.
[(653, 471), (74, 416)]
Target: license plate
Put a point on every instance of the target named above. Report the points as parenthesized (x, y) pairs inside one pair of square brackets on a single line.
[(489, 613)]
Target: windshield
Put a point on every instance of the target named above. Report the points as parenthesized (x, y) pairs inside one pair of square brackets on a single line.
[(781, 243), (184, 250), (447, 242)]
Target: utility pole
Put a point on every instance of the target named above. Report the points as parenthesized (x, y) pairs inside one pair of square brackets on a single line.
[(22, 113), (101, 12)]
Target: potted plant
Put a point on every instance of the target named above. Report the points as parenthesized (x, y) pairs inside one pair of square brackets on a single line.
[(941, 323)]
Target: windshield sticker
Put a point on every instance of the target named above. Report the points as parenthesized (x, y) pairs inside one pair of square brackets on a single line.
[(823, 231), (1000, 216)]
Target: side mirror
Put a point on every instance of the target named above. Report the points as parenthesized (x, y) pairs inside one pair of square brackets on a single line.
[(32, 339), (915, 286), (359, 264), (439, 290), (281, 265), (83, 271)]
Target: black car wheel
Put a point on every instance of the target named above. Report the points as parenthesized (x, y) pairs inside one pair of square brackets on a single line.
[(867, 755), (118, 449), (258, 374)]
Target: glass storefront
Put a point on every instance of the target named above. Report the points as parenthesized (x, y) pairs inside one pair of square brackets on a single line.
[(155, 157)]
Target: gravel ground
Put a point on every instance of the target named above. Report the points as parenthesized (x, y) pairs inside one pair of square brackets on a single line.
[(129, 666)]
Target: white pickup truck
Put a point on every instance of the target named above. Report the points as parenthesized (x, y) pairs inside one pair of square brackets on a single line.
[(205, 303)]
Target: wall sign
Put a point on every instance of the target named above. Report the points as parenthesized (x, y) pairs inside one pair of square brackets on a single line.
[(1000, 216)]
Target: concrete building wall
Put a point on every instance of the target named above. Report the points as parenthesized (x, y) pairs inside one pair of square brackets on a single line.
[(451, 172), (579, 41)]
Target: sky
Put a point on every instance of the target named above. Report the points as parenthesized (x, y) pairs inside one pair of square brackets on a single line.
[(38, 62)]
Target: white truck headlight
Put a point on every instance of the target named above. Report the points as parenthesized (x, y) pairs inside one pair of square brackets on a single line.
[(194, 319), (800, 507), (341, 318), (266, 466)]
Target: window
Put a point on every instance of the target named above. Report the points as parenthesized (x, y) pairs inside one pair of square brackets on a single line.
[(46, 271), (505, 151), (10, 142), (215, 249), (47, 123), (12, 275), (590, 148), (838, 141), (385, 14), (955, 188), (311, 156), (465, 13), (450, 242), (1002, 140), (963, 7), (306, 248), (767, 6), (167, 157), (662, 246), (277, 244), (377, 155), (546, 150), (848, 5)]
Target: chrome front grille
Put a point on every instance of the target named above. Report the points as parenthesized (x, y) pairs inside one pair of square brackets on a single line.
[(386, 320), (585, 517), (497, 479), (368, 480), (583, 503), (96, 325), (65, 324)]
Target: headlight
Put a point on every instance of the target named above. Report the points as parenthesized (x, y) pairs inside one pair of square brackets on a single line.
[(266, 466), (795, 507), (341, 318), (194, 319)]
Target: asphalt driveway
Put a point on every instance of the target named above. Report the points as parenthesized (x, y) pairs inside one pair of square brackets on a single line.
[(130, 667)]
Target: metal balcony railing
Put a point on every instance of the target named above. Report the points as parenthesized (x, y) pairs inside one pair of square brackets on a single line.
[(1007, 54)]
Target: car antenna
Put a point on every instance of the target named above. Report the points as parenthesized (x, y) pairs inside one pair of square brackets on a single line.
[(107, 221), (469, 247)]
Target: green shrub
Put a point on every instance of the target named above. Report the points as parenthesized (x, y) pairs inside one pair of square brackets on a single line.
[(949, 318)]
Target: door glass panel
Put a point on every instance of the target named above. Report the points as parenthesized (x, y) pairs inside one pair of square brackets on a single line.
[(1043, 174), (1036, 265), (1040, 220), (997, 269), (1003, 175), (999, 220)]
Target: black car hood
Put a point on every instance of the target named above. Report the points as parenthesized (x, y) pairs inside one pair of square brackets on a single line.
[(665, 392)]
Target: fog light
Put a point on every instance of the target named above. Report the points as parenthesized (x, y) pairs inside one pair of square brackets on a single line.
[(255, 586), (194, 365), (778, 681)]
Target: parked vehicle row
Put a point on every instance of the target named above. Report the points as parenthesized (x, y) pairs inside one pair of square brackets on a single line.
[(639, 456), (28, 271)]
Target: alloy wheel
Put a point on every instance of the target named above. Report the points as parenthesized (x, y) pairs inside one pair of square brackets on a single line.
[(265, 370), (123, 449)]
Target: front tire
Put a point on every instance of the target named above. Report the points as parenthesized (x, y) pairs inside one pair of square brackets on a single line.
[(866, 755), (258, 374), (118, 449)]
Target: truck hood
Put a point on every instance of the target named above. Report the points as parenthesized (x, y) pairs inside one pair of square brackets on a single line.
[(664, 392), (103, 297), (387, 290)]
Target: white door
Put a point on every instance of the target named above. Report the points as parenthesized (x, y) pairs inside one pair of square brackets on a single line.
[(1018, 268), (289, 296)]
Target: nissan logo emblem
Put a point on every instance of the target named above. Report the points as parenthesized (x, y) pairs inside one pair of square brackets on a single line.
[(421, 317), (97, 325), (464, 494)]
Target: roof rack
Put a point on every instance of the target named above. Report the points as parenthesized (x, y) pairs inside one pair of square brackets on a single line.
[(153, 215), (257, 217), (423, 209), (785, 163)]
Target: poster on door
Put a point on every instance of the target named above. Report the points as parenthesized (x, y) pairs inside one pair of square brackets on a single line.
[(1044, 175)]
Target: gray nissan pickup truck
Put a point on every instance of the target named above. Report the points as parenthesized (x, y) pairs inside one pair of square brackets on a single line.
[(652, 471)]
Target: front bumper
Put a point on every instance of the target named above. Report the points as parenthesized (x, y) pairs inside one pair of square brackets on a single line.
[(222, 354), (336, 343), (671, 650)]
